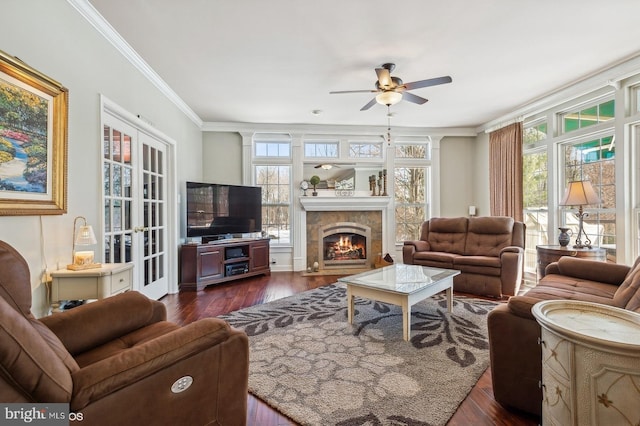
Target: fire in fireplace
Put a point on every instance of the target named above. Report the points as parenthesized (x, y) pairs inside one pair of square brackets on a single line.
[(344, 245)]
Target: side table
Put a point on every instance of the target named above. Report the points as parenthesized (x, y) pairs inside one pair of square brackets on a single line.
[(549, 254), (97, 283), (590, 363)]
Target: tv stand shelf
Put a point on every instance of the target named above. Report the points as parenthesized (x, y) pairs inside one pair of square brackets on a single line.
[(221, 261)]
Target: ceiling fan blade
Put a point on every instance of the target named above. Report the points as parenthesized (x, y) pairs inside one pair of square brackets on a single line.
[(352, 91), (406, 96), (427, 83), (371, 103), (384, 77)]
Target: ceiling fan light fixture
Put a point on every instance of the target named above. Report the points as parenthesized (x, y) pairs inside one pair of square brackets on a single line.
[(389, 97)]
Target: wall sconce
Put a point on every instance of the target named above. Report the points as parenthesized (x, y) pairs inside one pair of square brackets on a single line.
[(580, 193), (84, 237)]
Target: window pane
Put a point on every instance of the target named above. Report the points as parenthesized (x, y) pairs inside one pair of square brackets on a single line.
[(588, 116), (365, 150), (420, 151), (410, 202), (321, 149), (276, 192)]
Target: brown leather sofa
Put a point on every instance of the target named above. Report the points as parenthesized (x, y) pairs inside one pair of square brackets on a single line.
[(115, 360), (516, 356), (488, 251)]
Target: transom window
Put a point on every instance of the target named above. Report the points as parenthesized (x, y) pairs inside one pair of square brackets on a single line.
[(417, 151), (272, 149), (324, 149), (534, 133), (588, 116), (365, 149)]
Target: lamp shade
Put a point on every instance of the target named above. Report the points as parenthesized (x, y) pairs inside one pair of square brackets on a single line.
[(580, 193), (389, 97), (85, 236)]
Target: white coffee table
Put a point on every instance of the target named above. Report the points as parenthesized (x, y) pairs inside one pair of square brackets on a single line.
[(401, 285)]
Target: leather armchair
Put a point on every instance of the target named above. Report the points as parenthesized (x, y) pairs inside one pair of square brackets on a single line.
[(117, 360)]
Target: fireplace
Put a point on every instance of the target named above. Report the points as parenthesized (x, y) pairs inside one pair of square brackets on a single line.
[(344, 245)]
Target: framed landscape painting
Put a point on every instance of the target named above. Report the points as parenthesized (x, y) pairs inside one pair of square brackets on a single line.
[(33, 141)]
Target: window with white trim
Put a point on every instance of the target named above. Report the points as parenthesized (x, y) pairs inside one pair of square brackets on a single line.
[(272, 172), (410, 176)]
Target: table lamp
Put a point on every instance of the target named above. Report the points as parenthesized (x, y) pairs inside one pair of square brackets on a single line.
[(580, 193), (84, 237)]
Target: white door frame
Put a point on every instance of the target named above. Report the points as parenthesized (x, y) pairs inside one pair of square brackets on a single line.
[(173, 227)]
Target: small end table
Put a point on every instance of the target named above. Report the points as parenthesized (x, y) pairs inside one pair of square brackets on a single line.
[(549, 254), (87, 284)]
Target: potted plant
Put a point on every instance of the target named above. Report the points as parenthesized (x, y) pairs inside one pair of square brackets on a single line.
[(314, 181)]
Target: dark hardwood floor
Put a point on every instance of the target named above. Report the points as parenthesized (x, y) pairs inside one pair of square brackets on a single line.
[(479, 408)]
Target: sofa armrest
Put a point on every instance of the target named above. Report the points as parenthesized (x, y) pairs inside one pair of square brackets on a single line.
[(521, 306), (96, 323), (112, 374), (420, 245), (511, 260), (609, 273)]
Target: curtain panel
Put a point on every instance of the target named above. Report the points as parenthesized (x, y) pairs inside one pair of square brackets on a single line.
[(505, 171)]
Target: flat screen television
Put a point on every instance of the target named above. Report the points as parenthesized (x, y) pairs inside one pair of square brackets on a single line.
[(217, 210)]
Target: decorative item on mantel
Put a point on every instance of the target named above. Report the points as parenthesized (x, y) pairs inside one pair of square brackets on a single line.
[(314, 181), (344, 188), (380, 183)]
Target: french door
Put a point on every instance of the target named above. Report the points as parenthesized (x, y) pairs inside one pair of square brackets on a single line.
[(135, 208)]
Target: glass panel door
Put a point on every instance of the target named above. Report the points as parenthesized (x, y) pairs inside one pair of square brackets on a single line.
[(153, 229)]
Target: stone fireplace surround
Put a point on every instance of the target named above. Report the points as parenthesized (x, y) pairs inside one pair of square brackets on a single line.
[(367, 210)]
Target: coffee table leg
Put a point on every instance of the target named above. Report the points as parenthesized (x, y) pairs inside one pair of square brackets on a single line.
[(406, 320), (450, 299), (349, 305)]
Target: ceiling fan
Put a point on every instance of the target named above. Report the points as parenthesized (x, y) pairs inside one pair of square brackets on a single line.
[(391, 90)]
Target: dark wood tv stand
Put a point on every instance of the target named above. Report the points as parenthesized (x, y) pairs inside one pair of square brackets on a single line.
[(215, 262)]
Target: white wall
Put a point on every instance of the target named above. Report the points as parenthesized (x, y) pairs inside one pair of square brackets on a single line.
[(52, 37), (480, 183), (456, 180), (222, 157)]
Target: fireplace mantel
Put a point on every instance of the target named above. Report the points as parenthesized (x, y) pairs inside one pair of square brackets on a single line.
[(355, 203)]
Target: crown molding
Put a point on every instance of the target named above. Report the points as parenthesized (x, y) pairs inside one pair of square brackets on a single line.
[(611, 75), (326, 129), (110, 34)]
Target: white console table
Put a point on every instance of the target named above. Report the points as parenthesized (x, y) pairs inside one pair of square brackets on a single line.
[(590, 363)]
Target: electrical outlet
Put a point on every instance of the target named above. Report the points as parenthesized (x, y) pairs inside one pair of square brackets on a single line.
[(273, 260)]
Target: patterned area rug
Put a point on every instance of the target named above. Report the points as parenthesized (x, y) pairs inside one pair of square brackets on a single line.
[(310, 364)]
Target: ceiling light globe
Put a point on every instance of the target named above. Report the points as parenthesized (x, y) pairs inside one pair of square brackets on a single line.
[(389, 97)]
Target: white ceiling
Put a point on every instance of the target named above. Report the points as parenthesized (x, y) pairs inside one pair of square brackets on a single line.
[(276, 61)]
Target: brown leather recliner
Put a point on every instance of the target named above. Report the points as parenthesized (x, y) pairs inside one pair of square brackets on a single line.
[(514, 333), (117, 359)]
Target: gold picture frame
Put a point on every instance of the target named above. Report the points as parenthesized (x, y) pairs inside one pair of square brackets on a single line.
[(33, 141)]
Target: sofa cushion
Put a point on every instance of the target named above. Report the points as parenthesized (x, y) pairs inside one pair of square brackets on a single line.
[(29, 362), (487, 236), (482, 265), (628, 294), (553, 287), (436, 256), (448, 234)]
